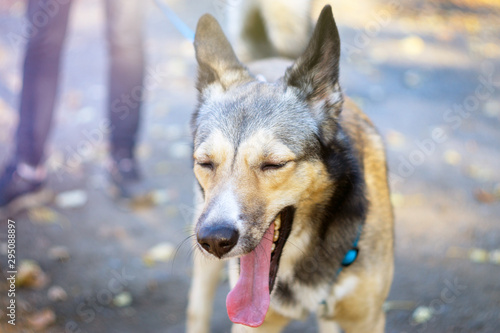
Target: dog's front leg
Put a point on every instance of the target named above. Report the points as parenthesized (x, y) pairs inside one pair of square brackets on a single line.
[(206, 275), (328, 326)]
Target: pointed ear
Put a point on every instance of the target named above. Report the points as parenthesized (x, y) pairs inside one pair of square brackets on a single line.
[(316, 72), (217, 62)]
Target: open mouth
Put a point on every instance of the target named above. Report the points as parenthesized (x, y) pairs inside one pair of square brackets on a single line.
[(248, 302), (282, 228)]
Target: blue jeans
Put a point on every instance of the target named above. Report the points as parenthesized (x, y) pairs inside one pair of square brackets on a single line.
[(41, 75)]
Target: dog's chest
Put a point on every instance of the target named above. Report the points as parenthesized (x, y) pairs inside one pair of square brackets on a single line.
[(297, 300)]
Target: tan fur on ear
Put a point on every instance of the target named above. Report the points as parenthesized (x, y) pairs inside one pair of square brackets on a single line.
[(216, 58)]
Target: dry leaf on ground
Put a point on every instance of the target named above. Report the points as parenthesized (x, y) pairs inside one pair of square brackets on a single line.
[(57, 294), (30, 275), (71, 199), (159, 253), (42, 319)]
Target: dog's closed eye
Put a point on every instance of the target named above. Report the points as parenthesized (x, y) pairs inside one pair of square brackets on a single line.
[(207, 165), (268, 166)]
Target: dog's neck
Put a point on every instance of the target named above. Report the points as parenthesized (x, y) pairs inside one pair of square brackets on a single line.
[(334, 224)]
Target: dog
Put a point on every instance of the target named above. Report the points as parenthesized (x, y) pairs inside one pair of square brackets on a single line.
[(292, 191), (261, 29)]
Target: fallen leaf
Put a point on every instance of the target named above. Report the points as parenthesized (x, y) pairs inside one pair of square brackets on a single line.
[(122, 299), (478, 255), (71, 199), (42, 319), (140, 202), (30, 275), (43, 215), (159, 253), (484, 196), (57, 294), (422, 314)]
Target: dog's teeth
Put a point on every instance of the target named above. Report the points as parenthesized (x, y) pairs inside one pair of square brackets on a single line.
[(277, 223), (276, 235), (273, 247)]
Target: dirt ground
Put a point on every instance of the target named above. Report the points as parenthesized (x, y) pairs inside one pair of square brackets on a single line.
[(426, 72)]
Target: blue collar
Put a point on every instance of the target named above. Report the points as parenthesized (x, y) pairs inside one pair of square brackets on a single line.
[(352, 254), (349, 258)]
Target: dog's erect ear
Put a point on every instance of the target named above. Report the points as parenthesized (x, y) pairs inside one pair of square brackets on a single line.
[(316, 72), (217, 62)]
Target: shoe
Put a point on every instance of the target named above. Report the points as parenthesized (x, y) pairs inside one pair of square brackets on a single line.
[(125, 178), (18, 193)]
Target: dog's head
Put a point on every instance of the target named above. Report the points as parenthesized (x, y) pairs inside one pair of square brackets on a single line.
[(257, 154)]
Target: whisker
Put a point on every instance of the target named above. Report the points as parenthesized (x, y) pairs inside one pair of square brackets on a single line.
[(194, 253), (179, 247), (296, 246)]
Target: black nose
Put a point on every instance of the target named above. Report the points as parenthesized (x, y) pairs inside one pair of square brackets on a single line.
[(218, 240)]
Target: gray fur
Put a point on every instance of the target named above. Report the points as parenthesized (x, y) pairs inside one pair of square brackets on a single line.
[(244, 109)]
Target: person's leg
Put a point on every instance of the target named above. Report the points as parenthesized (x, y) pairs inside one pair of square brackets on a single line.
[(126, 61), (24, 173), (124, 33), (40, 79)]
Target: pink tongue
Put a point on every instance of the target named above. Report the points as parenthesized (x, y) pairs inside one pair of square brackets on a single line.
[(248, 302)]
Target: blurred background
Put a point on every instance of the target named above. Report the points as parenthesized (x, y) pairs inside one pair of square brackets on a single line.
[(426, 71)]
